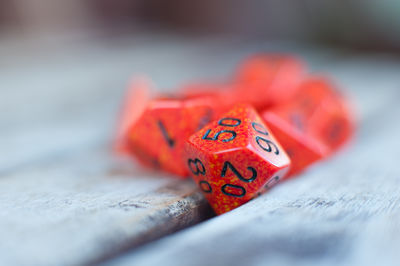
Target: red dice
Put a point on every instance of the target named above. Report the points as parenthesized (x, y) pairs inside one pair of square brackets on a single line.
[(269, 79), (333, 123), (234, 158), (136, 99), (311, 126), (237, 157), (158, 136)]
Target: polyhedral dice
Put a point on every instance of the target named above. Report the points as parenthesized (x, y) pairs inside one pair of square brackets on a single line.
[(312, 125), (269, 79), (333, 124), (158, 136), (233, 158), (135, 101), (287, 124)]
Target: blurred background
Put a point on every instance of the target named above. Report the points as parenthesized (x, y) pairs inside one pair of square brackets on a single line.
[(65, 62), (360, 24)]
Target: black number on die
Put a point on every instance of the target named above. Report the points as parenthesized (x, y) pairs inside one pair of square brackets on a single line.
[(242, 190), (236, 172), (233, 135), (259, 128), (205, 186), (267, 145), (168, 139), (199, 167), (224, 122), (264, 143)]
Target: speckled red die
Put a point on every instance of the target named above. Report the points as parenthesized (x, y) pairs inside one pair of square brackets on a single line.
[(157, 138), (234, 157), (334, 122), (286, 123), (136, 98), (311, 126), (269, 79)]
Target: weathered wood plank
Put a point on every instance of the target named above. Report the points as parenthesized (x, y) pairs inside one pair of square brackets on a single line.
[(63, 199), (89, 207)]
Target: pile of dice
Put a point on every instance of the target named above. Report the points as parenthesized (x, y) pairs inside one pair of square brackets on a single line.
[(238, 139)]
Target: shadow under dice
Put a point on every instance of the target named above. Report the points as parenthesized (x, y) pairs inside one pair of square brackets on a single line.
[(234, 158)]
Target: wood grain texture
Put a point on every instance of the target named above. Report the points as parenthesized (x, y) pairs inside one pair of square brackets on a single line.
[(65, 200), (88, 207)]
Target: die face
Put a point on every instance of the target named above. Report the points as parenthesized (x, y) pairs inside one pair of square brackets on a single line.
[(302, 149), (158, 137), (263, 142), (135, 101), (231, 179), (328, 115), (240, 128), (232, 170), (337, 132), (143, 155), (201, 110), (315, 96), (267, 80), (306, 126), (227, 133), (156, 134)]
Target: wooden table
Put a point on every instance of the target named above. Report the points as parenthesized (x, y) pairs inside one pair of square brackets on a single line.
[(65, 199)]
